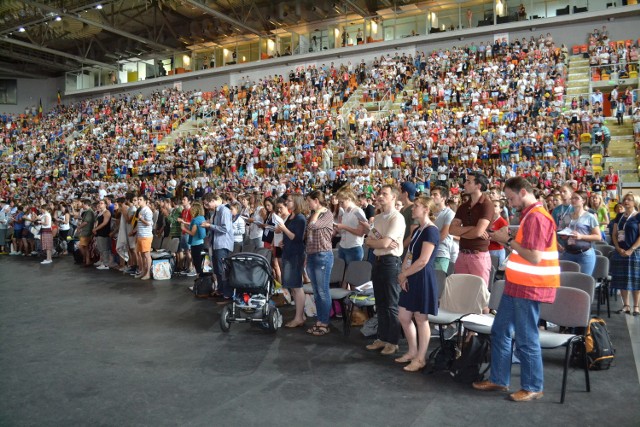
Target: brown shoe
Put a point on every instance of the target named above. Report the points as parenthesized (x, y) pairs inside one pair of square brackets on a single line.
[(525, 396), (489, 386), (415, 365), (389, 349), (376, 345)]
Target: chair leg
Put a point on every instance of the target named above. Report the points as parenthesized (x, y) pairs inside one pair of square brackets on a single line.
[(567, 356), (606, 297), (346, 316), (585, 362), (599, 299)]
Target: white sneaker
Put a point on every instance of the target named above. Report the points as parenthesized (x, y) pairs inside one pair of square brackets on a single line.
[(97, 264), (102, 267), (46, 261)]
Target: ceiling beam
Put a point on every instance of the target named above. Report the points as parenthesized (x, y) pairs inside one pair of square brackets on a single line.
[(40, 61), (58, 53), (100, 25), (357, 9), (224, 17), (18, 73)]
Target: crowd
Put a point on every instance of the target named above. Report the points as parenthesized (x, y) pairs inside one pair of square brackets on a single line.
[(482, 136)]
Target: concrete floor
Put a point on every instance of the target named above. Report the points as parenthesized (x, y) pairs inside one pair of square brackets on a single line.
[(87, 347)]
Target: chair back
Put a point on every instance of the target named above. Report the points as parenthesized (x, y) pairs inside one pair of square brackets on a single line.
[(601, 269), (569, 266), (173, 245), (606, 250), (496, 294), (573, 279), (357, 273), (597, 252), (166, 244), (265, 252), (156, 243), (337, 271), (464, 294), (571, 308)]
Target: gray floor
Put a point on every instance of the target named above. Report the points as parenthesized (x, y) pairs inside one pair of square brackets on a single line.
[(85, 347)]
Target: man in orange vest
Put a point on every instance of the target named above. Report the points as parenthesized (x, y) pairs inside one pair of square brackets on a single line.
[(532, 276)]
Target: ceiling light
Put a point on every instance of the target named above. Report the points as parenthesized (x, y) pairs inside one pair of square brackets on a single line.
[(21, 30), (58, 19), (99, 6)]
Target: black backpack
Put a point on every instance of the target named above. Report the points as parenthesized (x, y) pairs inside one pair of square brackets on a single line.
[(442, 358), (203, 286), (476, 351), (600, 351)]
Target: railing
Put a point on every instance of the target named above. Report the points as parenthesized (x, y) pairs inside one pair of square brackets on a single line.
[(613, 72)]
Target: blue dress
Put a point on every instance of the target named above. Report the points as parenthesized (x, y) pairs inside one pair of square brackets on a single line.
[(422, 295)]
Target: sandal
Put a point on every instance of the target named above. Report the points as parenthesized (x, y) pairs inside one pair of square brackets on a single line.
[(622, 310), (635, 311), (318, 330), (404, 359), (293, 324)]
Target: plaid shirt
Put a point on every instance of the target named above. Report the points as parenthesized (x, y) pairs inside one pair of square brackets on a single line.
[(319, 232)]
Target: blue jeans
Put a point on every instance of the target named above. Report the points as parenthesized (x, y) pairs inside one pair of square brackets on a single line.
[(499, 253), (220, 270), (587, 260), (350, 254), (519, 316), (319, 271)]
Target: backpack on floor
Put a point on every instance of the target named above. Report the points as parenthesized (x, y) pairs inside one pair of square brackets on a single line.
[(203, 285), (598, 345), (467, 368), (443, 357)]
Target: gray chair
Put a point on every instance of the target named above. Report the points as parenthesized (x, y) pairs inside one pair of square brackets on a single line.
[(606, 250), (602, 277), (463, 294), (570, 309), (156, 243), (265, 252), (494, 302), (597, 252), (573, 279), (357, 273), (569, 266)]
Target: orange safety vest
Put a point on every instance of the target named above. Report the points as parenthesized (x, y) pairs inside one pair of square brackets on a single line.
[(545, 274)]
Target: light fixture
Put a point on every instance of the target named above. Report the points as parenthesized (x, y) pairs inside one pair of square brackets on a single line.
[(374, 27), (99, 6), (21, 30), (58, 19)]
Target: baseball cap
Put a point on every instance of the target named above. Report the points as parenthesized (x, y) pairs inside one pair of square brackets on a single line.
[(410, 189)]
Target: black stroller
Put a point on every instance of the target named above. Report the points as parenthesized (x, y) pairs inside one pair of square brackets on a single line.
[(251, 279)]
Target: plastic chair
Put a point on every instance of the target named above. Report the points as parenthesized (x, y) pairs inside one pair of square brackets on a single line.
[(357, 273), (484, 327), (571, 309), (463, 294), (605, 249), (602, 278), (569, 266), (572, 279)]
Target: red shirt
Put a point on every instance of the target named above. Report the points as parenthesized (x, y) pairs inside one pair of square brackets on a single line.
[(495, 226), (186, 216), (611, 181)]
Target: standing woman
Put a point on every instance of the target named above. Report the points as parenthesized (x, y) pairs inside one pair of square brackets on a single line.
[(601, 212), (46, 235), (584, 227), (498, 222), (196, 233), (254, 220), (64, 219), (625, 262), (319, 259), (419, 295), (291, 210), (350, 227), (102, 231)]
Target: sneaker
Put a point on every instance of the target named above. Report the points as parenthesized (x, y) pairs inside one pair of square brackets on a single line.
[(102, 267), (191, 274), (97, 264), (46, 261), (134, 272)]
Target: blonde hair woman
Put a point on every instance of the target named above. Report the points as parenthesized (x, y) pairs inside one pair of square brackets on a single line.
[(351, 227), (419, 295)]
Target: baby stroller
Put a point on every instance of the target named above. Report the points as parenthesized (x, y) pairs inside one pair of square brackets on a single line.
[(251, 279)]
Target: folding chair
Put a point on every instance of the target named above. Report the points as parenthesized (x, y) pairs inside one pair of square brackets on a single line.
[(569, 266), (605, 249), (602, 277), (570, 309)]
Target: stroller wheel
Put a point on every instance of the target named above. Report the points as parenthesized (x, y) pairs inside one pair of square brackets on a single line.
[(225, 325), (273, 319)]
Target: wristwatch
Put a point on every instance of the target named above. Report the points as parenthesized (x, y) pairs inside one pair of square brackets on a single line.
[(508, 243)]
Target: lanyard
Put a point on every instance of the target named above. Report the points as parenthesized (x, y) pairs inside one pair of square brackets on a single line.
[(626, 221), (415, 239)]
